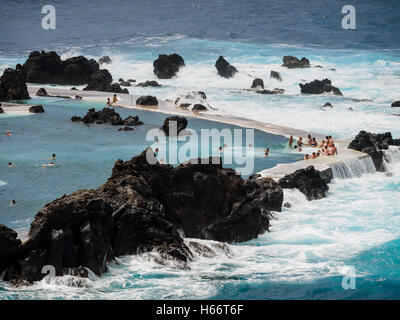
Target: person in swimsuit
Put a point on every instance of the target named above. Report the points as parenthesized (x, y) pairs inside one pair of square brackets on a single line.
[(115, 99), (290, 141), (108, 102), (266, 152), (314, 143), (300, 142)]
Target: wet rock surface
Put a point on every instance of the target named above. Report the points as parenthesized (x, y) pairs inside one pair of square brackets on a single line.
[(140, 208)]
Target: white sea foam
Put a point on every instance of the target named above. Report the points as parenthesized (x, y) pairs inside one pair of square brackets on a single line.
[(2, 183)]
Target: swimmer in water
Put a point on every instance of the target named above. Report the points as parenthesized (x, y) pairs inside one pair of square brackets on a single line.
[(108, 102), (53, 157), (266, 152), (13, 202), (51, 164), (8, 133), (115, 98), (10, 165), (306, 157), (290, 141)]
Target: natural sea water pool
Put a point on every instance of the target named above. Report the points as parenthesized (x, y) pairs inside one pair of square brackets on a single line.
[(85, 154)]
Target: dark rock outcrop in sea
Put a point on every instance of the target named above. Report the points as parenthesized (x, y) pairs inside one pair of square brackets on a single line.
[(180, 123), (395, 104), (1, 109), (36, 109), (373, 144), (140, 209), (199, 107), (147, 101), (167, 66), (47, 67), (107, 116), (275, 75), (224, 68), (148, 83), (102, 81), (41, 92), (13, 85), (105, 60), (319, 87), (294, 62), (311, 182), (10, 246), (275, 91), (258, 83)]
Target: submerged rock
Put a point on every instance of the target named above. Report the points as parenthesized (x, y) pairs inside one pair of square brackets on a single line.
[(309, 181), (126, 129), (13, 85), (224, 68), (258, 83), (373, 144), (147, 101), (319, 87), (149, 83), (180, 124), (140, 208), (275, 91), (1, 109), (293, 62), (275, 75), (167, 66), (36, 109)]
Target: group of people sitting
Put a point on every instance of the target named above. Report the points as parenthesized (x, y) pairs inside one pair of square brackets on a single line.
[(326, 147)]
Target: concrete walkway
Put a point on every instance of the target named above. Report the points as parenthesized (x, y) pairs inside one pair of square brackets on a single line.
[(168, 107)]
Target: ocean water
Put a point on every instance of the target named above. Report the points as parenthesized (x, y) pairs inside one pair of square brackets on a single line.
[(311, 244)]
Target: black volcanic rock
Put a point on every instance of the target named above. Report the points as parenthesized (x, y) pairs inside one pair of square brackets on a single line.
[(309, 181), (36, 109), (293, 62), (105, 60), (99, 81), (116, 88), (181, 124), (373, 144), (1, 109), (47, 67), (167, 66), (396, 104), (199, 107), (319, 87), (10, 246), (149, 83), (147, 101), (258, 83), (107, 116), (41, 92), (132, 121), (224, 68), (12, 85), (275, 75), (140, 208)]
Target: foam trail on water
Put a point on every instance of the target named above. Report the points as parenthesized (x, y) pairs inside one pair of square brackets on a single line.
[(2, 183)]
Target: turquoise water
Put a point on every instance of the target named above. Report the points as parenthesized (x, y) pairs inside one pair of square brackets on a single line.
[(86, 153), (310, 243)]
